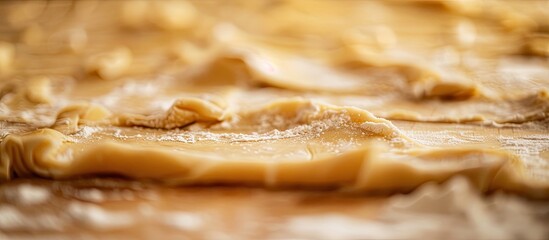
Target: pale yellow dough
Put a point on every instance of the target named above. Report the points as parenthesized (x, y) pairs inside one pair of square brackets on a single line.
[(280, 94), (286, 143)]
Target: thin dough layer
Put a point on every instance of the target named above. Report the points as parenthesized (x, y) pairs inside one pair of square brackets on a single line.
[(286, 143), (185, 93)]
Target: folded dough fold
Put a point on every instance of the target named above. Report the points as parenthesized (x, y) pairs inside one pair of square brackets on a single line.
[(70, 117), (183, 112)]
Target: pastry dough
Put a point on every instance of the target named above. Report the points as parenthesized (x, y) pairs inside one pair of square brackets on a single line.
[(181, 93), (287, 143)]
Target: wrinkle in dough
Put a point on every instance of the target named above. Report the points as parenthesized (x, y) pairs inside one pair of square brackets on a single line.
[(183, 112), (71, 117)]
